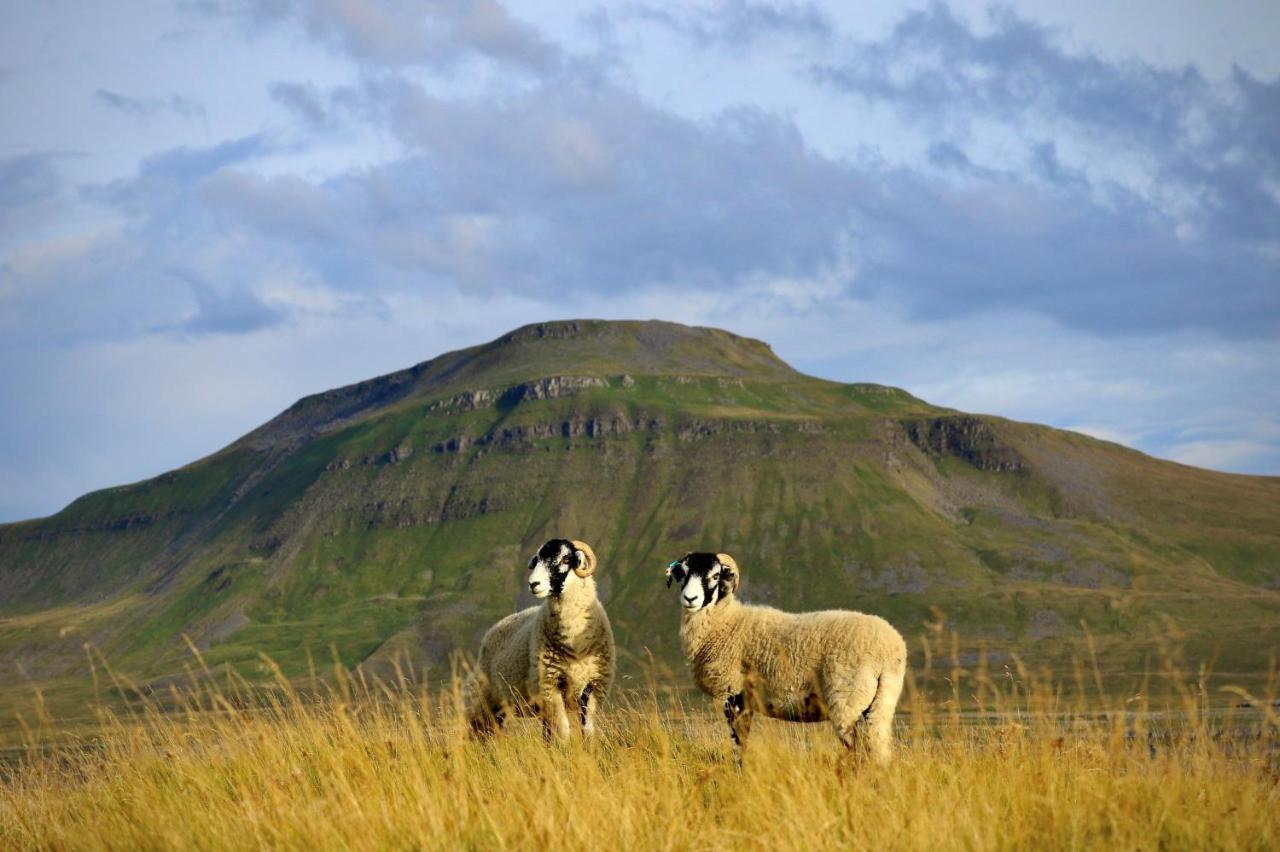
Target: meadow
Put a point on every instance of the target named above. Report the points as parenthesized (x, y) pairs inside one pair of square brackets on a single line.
[(985, 759)]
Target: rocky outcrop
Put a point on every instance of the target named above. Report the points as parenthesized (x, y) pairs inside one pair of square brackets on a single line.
[(558, 330), (964, 437), (552, 387), (574, 427), (696, 429), (555, 387), (604, 426), (468, 400), (398, 454)]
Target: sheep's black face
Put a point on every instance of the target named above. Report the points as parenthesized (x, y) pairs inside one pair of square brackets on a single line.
[(703, 580), (551, 566)]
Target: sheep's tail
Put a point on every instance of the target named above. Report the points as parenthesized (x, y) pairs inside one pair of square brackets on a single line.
[(885, 699)]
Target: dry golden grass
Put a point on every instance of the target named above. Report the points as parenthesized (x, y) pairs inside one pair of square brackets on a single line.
[(363, 765)]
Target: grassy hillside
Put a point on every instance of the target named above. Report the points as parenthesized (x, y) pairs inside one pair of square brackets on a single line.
[(393, 517)]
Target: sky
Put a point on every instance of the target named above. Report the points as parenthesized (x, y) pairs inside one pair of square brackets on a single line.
[(1061, 213)]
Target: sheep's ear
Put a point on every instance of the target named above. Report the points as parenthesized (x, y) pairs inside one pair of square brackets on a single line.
[(730, 577), (671, 569), (584, 559)]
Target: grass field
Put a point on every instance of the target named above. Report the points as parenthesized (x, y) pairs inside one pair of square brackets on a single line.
[(985, 760)]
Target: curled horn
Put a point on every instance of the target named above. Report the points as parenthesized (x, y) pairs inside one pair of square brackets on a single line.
[(586, 559), (727, 562)]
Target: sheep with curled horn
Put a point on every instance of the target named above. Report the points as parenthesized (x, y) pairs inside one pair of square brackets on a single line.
[(553, 660), (840, 665)]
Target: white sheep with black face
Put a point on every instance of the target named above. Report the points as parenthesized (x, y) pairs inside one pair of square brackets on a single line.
[(551, 660), (840, 665)]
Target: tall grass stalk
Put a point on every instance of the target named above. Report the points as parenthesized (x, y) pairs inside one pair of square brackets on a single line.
[(985, 760)]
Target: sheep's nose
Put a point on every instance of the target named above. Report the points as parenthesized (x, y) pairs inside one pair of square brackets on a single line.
[(534, 585), (690, 598)]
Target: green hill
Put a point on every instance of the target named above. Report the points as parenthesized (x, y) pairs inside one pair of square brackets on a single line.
[(396, 515)]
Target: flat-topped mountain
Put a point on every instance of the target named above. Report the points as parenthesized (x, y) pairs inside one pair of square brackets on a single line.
[(394, 516), (545, 351)]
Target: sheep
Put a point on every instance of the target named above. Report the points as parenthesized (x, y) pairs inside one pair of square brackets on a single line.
[(541, 660), (840, 665)]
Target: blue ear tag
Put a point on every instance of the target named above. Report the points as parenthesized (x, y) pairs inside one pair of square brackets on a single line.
[(673, 564)]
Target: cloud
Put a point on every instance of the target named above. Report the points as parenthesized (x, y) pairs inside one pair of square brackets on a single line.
[(187, 163), (326, 113), (303, 100), (577, 185), (116, 280), (145, 107), (737, 23), (158, 192), (400, 33), (29, 187), (585, 186), (1114, 266), (941, 72), (936, 64), (1183, 204), (238, 311), (574, 186)]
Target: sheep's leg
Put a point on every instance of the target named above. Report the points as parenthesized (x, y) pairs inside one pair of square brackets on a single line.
[(586, 710), (738, 713), (879, 717), (484, 719), (480, 724), (849, 699), (474, 704), (555, 717)]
